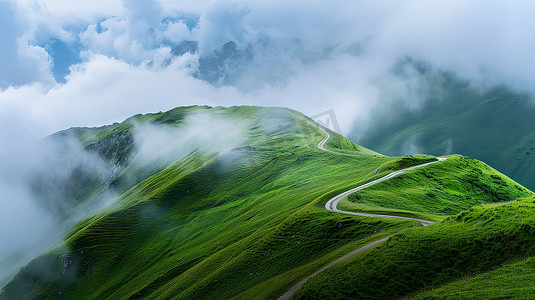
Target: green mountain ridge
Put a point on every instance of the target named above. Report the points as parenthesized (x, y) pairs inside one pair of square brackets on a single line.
[(240, 214)]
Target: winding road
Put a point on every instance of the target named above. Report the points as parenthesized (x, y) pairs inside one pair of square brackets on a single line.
[(332, 206), (321, 144)]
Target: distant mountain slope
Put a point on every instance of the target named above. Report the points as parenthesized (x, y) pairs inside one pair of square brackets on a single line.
[(437, 113), (213, 203)]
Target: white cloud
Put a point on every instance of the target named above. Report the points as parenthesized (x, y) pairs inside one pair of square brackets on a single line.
[(104, 90), (176, 32), (203, 131), (134, 35), (113, 39), (21, 62), (301, 63), (74, 10), (223, 21), (185, 6)]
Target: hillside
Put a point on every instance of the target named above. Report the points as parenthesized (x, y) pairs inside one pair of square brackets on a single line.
[(473, 242), (510, 280), (433, 193), (216, 203)]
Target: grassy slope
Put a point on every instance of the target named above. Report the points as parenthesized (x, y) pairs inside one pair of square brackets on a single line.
[(474, 241), (433, 192), (201, 226), (338, 143), (513, 280), (405, 162), (209, 226)]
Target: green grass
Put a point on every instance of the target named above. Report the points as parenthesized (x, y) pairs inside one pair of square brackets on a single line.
[(246, 222), (405, 162), (473, 241), (340, 144), (279, 284), (436, 191), (513, 280), (203, 217), (305, 240)]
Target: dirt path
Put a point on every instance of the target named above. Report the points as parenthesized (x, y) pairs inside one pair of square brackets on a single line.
[(297, 286)]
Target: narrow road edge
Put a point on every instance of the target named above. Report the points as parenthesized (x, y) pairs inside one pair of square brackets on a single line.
[(298, 285)]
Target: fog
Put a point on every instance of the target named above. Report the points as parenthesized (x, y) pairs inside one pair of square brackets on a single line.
[(52, 184), (40, 183), (206, 132)]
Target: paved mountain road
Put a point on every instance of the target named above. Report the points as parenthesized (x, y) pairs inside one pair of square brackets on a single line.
[(332, 206)]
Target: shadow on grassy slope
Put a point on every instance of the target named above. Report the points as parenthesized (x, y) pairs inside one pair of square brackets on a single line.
[(474, 241), (508, 281)]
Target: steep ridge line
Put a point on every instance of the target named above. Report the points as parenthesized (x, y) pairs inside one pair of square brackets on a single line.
[(332, 206)]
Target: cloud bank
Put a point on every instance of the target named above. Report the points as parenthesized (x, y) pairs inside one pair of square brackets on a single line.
[(311, 56)]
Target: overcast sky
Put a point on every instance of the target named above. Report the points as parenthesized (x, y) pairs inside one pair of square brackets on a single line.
[(80, 63)]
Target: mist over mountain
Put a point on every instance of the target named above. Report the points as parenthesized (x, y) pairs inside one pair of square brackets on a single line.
[(231, 202), (76, 173), (399, 78), (436, 112)]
